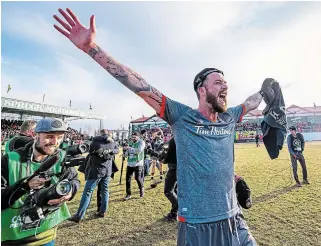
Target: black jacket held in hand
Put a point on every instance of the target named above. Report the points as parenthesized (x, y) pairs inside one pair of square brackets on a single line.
[(97, 166), (170, 157), (274, 124), (25, 154)]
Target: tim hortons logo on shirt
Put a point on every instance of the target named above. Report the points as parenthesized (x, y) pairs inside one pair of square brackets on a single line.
[(213, 131)]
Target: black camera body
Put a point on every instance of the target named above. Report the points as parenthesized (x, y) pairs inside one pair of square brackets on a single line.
[(159, 151), (36, 205), (74, 155)]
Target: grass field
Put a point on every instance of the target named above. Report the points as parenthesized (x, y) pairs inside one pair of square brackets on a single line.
[(281, 215)]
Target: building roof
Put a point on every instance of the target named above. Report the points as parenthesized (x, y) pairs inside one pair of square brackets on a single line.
[(141, 119), (154, 118)]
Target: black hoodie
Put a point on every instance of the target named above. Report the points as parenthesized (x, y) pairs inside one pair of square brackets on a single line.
[(274, 124)]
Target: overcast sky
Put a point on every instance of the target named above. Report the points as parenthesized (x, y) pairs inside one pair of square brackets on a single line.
[(166, 42)]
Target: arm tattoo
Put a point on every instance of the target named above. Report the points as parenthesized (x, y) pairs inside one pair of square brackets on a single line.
[(127, 77), (252, 102)]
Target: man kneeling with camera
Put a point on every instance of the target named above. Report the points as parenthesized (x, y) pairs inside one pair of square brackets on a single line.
[(35, 184)]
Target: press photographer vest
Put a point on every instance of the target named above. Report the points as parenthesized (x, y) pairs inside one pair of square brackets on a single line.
[(11, 222), (134, 158)]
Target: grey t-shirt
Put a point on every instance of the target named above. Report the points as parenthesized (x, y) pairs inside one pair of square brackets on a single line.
[(205, 167)]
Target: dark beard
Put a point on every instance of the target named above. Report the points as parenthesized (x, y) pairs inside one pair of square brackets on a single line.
[(212, 99), (40, 149)]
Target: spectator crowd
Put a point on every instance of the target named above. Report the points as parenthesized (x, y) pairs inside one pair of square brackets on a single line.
[(10, 128)]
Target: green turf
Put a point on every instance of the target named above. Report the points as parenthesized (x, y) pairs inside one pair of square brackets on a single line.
[(281, 215)]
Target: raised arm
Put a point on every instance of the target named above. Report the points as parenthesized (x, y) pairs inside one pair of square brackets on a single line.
[(84, 39), (252, 102)]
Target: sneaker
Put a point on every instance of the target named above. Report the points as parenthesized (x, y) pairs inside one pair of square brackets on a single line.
[(305, 182), (99, 214), (298, 185), (171, 217), (142, 193), (127, 197), (75, 219)]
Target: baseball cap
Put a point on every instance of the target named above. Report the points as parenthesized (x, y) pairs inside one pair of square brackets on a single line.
[(50, 125), (201, 76), (135, 134), (292, 128)]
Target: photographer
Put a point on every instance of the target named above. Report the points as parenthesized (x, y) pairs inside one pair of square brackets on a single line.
[(114, 170), (135, 164), (147, 159), (97, 169), (296, 146), (158, 148), (170, 188), (16, 168)]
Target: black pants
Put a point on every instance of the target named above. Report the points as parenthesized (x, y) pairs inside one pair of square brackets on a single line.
[(170, 189), (300, 158), (139, 177)]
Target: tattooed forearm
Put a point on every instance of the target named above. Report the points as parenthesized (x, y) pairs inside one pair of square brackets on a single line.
[(127, 77), (252, 102)]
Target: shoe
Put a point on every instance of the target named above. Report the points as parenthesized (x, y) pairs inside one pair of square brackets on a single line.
[(75, 219), (298, 185), (152, 178), (171, 217), (142, 193), (161, 177), (99, 214), (127, 197), (306, 182)]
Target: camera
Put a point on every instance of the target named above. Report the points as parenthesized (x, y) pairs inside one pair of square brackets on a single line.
[(159, 151), (74, 154), (104, 153), (36, 205)]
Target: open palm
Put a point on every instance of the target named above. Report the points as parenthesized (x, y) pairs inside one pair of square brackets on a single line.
[(75, 31)]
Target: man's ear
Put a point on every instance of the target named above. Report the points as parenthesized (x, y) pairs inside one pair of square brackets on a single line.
[(201, 90)]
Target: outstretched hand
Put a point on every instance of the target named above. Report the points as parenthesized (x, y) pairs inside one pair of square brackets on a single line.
[(80, 36)]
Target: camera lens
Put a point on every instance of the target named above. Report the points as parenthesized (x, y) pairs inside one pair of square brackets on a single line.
[(63, 188), (82, 148)]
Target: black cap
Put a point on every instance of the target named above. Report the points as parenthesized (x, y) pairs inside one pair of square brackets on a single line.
[(135, 134), (201, 76), (292, 128)]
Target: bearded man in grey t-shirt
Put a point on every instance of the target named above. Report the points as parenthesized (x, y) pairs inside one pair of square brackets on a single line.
[(208, 212)]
